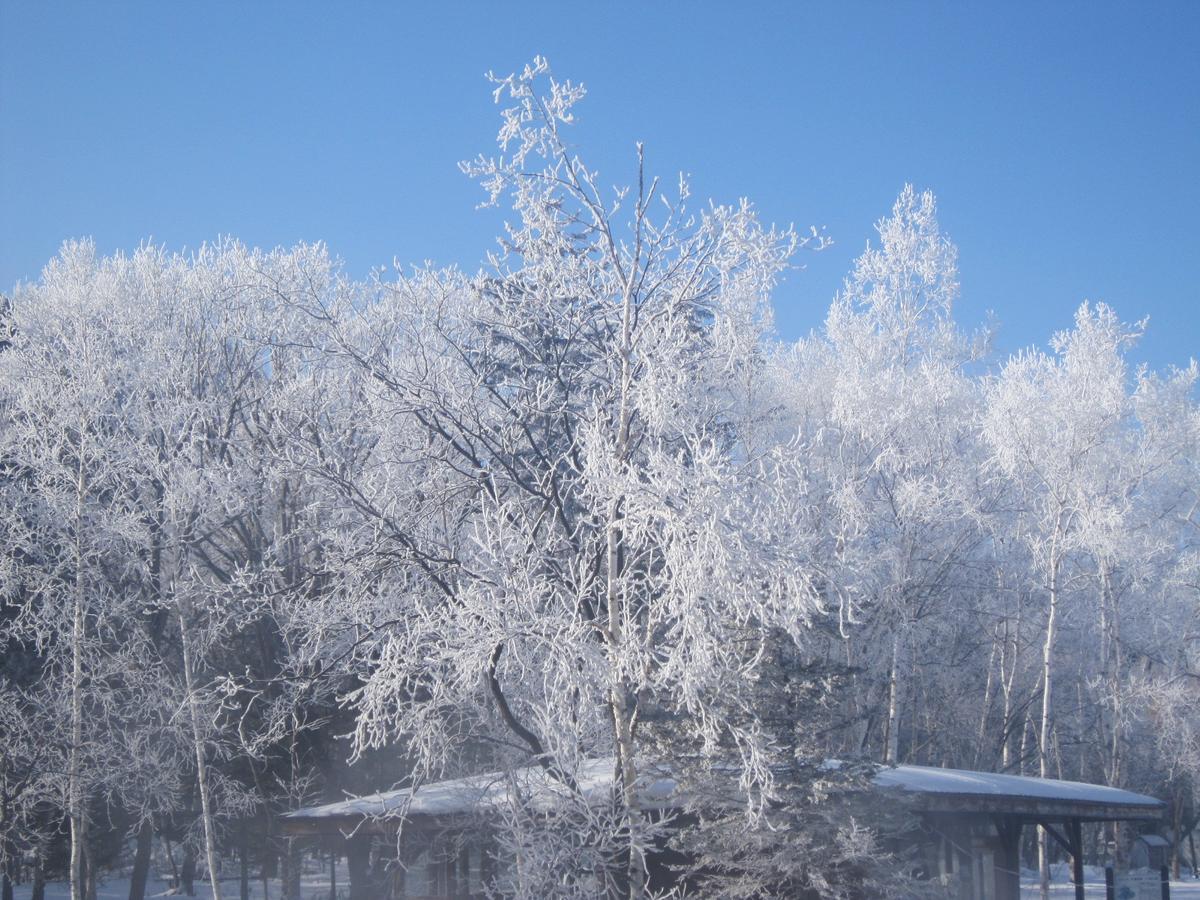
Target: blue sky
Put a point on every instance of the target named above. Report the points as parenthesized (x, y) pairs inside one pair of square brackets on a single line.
[(1062, 140)]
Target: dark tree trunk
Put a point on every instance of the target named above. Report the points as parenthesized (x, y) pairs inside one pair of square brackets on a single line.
[(175, 883), (39, 874), (291, 871), (1176, 835), (9, 870), (244, 860), (141, 862), (187, 874), (89, 868), (358, 862)]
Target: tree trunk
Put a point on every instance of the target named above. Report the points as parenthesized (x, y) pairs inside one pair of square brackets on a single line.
[(987, 700), (89, 869), (892, 749), (635, 869), (75, 803), (1006, 734), (1047, 693), (176, 882), (291, 870), (358, 864), (1008, 676), (623, 699), (39, 873), (1023, 747), (7, 864), (141, 861), (8, 855), (187, 874), (210, 847), (1176, 836), (244, 862)]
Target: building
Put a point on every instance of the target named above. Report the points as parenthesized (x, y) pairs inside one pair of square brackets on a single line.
[(971, 826)]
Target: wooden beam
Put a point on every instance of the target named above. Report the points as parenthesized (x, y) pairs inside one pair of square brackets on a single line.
[(1061, 839)]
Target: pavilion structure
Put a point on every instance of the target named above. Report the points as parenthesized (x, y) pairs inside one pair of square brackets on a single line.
[(971, 825)]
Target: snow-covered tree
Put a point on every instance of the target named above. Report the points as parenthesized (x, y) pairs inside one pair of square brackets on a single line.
[(898, 440), (578, 515), (1057, 426), (71, 517)]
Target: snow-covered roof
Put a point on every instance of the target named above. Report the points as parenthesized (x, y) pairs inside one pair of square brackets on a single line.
[(462, 795), (1154, 840), (963, 783), (933, 788)]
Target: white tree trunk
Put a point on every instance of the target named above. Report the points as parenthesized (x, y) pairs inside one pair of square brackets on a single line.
[(1008, 674), (987, 698), (892, 751), (210, 848), (75, 803), (623, 715), (1047, 688)]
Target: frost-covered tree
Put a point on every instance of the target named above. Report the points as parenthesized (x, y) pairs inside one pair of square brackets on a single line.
[(898, 438), (577, 513), (1058, 426), (71, 520), (141, 518)]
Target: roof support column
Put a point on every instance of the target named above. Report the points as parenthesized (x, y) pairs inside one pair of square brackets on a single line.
[(1071, 840), (1008, 872), (1075, 836)]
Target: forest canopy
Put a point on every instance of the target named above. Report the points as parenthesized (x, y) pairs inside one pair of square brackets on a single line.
[(272, 534)]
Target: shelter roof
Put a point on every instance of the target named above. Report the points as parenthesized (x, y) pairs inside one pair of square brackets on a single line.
[(930, 789)]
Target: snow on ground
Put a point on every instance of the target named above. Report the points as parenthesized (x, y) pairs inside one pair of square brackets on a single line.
[(313, 886), (1094, 890), (1093, 882)]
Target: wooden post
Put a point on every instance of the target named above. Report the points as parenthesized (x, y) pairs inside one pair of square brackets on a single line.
[(487, 862), (1071, 840), (1110, 884), (451, 869), (1166, 882), (1008, 872), (1075, 836), (464, 870)]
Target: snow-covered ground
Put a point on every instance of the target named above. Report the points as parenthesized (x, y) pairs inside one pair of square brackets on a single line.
[(1094, 890), (315, 886), (1093, 879)]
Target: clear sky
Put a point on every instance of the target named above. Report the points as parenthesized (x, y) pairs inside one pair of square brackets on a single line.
[(1062, 140)]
